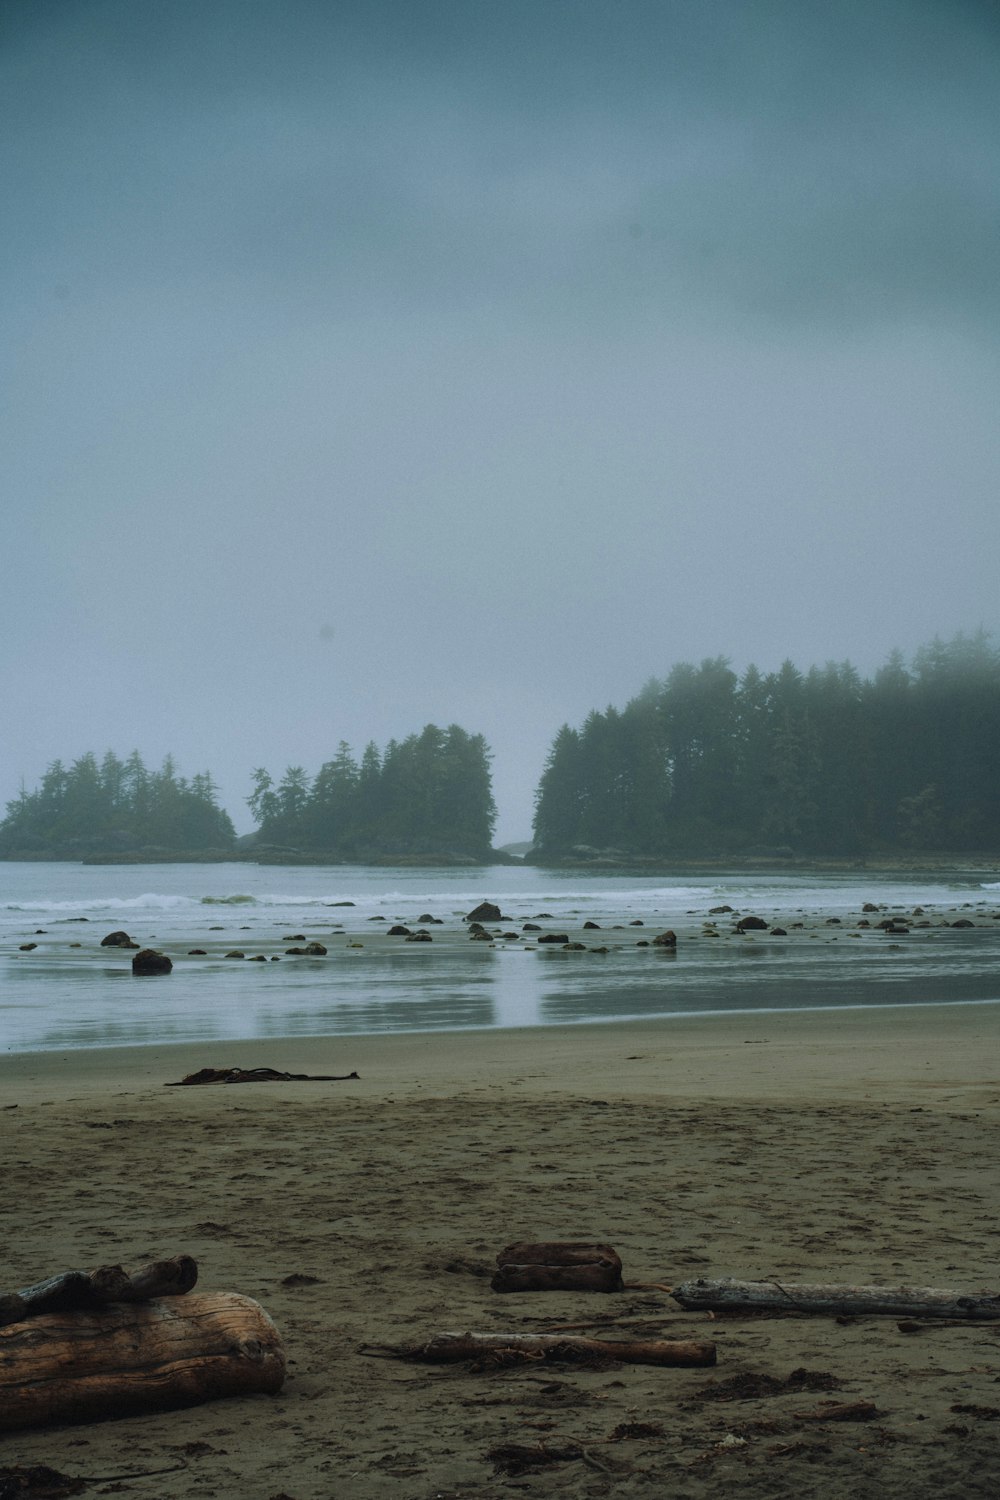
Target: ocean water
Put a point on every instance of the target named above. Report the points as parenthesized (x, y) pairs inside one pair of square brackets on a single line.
[(69, 992)]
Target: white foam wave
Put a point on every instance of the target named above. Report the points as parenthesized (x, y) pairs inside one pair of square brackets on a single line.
[(149, 901)]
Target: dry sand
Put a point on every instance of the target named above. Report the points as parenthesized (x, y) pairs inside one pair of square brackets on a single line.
[(823, 1146)]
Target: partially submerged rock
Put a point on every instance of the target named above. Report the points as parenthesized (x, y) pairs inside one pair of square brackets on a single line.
[(484, 912), (149, 961), (118, 940)]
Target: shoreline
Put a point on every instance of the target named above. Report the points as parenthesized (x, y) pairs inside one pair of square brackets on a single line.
[(848, 1051), (969, 865)]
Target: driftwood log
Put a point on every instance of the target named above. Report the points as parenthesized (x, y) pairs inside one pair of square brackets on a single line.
[(727, 1295), (556, 1253), (558, 1266), (448, 1347), (90, 1289), (599, 1276), (135, 1357)]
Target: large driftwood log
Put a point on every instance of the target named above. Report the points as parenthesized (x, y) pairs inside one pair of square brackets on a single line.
[(89, 1289), (446, 1347), (730, 1295), (557, 1253), (599, 1276), (136, 1357), (558, 1266)]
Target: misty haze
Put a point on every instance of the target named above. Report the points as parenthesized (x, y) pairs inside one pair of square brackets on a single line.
[(371, 366)]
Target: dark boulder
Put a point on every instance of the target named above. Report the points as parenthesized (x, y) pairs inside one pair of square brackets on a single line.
[(398, 931), (751, 924), (149, 961), (484, 912), (554, 937), (716, 911), (666, 939), (420, 936), (314, 950), (118, 940), (434, 921)]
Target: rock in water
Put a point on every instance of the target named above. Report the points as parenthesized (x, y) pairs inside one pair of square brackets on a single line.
[(484, 912), (149, 961)]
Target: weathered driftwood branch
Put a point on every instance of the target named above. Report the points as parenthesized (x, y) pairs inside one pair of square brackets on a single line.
[(558, 1266), (89, 1289), (840, 1411), (256, 1075), (134, 1357), (833, 1300), (446, 1347)]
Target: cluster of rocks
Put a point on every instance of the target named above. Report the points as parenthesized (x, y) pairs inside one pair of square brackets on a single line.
[(893, 922)]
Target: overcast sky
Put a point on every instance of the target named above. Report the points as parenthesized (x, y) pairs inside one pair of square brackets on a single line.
[(369, 363)]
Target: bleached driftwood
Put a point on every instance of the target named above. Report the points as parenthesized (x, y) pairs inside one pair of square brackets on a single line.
[(730, 1295), (89, 1289), (86, 1366), (447, 1347)]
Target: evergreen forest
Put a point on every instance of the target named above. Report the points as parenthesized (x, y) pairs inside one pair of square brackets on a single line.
[(115, 806), (429, 794), (702, 764), (819, 763)]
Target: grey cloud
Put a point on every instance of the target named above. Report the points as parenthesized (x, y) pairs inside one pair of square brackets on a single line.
[(527, 347)]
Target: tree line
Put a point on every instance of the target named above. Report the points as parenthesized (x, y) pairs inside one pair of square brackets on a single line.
[(701, 763), (429, 794), (826, 762), (115, 806)]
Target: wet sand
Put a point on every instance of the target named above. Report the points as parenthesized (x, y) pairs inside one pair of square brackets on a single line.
[(824, 1146)]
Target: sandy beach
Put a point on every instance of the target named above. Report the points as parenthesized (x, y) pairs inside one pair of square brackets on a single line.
[(841, 1146)]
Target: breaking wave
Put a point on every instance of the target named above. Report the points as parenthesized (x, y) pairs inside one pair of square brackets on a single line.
[(149, 901)]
